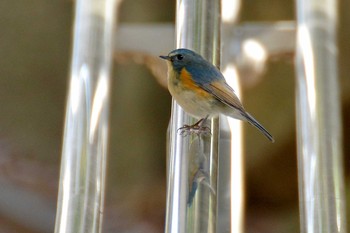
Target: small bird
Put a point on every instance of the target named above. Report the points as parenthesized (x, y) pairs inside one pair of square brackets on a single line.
[(201, 90)]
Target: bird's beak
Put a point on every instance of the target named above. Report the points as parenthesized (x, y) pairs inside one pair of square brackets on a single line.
[(165, 57)]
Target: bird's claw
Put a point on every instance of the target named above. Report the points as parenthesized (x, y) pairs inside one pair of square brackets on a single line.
[(194, 129)]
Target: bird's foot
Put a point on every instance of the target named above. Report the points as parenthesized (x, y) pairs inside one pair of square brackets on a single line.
[(196, 128)]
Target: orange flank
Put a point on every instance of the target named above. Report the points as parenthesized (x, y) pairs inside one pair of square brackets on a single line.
[(188, 83)]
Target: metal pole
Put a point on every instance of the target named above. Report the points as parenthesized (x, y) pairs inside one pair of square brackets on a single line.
[(321, 185), (83, 166), (193, 160), (230, 174)]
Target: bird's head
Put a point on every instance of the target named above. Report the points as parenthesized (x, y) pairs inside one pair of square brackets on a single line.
[(181, 58)]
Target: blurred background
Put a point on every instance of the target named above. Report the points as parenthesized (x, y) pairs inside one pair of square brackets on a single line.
[(35, 44)]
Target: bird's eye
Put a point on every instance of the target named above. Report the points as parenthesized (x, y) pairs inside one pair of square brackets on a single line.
[(179, 57)]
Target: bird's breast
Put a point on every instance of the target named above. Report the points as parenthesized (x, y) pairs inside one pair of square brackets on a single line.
[(192, 98), (185, 82)]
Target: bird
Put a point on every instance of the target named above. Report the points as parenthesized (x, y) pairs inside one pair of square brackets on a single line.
[(202, 91)]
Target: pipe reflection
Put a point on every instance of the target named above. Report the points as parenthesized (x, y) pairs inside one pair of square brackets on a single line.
[(320, 168), (83, 164)]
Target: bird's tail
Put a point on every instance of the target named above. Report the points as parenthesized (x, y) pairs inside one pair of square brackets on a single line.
[(256, 124)]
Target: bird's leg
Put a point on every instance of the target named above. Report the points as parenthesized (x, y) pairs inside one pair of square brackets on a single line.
[(197, 128)]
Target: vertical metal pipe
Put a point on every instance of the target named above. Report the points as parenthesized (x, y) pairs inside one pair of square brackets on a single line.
[(230, 175), (320, 168), (83, 165), (193, 160)]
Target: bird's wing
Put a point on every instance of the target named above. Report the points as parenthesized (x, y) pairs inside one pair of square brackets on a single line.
[(223, 92)]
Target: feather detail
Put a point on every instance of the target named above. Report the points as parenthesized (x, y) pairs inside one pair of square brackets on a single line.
[(256, 124), (223, 92)]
